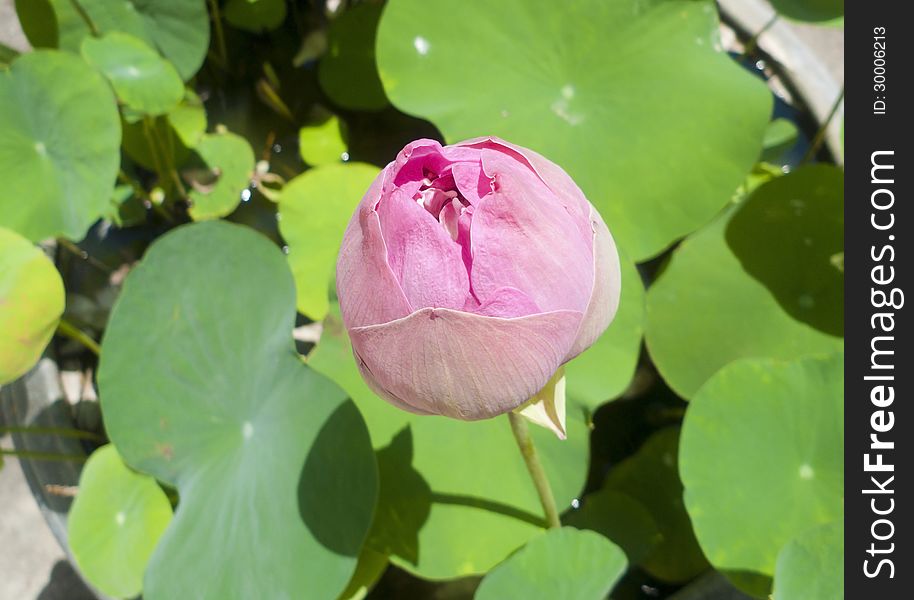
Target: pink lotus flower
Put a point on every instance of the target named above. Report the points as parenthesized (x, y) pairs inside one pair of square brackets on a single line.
[(469, 274)]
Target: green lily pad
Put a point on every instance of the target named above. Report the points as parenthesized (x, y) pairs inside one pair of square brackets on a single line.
[(621, 519), (115, 523), (347, 72), (650, 477), (780, 136), (828, 12), (604, 370), (589, 85), (756, 427), (270, 459), (796, 220), (447, 484), (255, 15), (314, 209), (811, 567), (142, 79), (178, 28), (322, 144), (705, 311), (57, 180), (39, 23), (179, 131), (230, 162), (563, 563), (31, 302)]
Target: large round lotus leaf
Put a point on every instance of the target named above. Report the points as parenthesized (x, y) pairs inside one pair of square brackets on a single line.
[(762, 457), (455, 498), (604, 371), (635, 99), (797, 220), (201, 387), (180, 130), (816, 11), (322, 144), (31, 302), (563, 563), (650, 477), (142, 79), (255, 15), (621, 519), (811, 567), (178, 28), (115, 523), (705, 311), (230, 163), (347, 72), (314, 209), (57, 179)]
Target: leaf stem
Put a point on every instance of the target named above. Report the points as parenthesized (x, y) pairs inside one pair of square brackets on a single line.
[(220, 35), (67, 329), (55, 431), (42, 455), (93, 28), (823, 129), (535, 468)]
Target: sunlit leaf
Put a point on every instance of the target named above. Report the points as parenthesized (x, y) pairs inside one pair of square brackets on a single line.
[(115, 523), (322, 144), (636, 100), (142, 79), (230, 164), (705, 311), (762, 457), (811, 567), (31, 302), (57, 180), (273, 464), (179, 29), (563, 563), (314, 209)]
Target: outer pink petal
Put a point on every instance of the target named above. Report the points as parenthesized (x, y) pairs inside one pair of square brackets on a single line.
[(607, 286), (463, 365), (522, 237), (508, 302), (422, 256), (367, 289)]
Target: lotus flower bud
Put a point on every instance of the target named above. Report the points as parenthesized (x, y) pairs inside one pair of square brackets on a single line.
[(469, 274)]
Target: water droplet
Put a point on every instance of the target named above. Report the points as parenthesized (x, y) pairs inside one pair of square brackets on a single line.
[(245, 195), (247, 430), (120, 518), (277, 148), (760, 65), (806, 472), (285, 249), (568, 92), (41, 149), (575, 503), (344, 156), (505, 113), (421, 45)]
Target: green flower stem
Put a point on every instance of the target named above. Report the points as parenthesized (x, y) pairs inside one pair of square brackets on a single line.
[(823, 129), (55, 431), (67, 329), (535, 467), (42, 455)]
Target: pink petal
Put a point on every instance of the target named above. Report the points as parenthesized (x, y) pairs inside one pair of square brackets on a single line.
[(422, 256), (372, 293), (607, 286), (463, 365), (522, 237), (508, 302), (471, 181)]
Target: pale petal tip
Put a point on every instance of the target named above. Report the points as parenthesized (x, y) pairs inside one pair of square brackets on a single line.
[(547, 407)]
